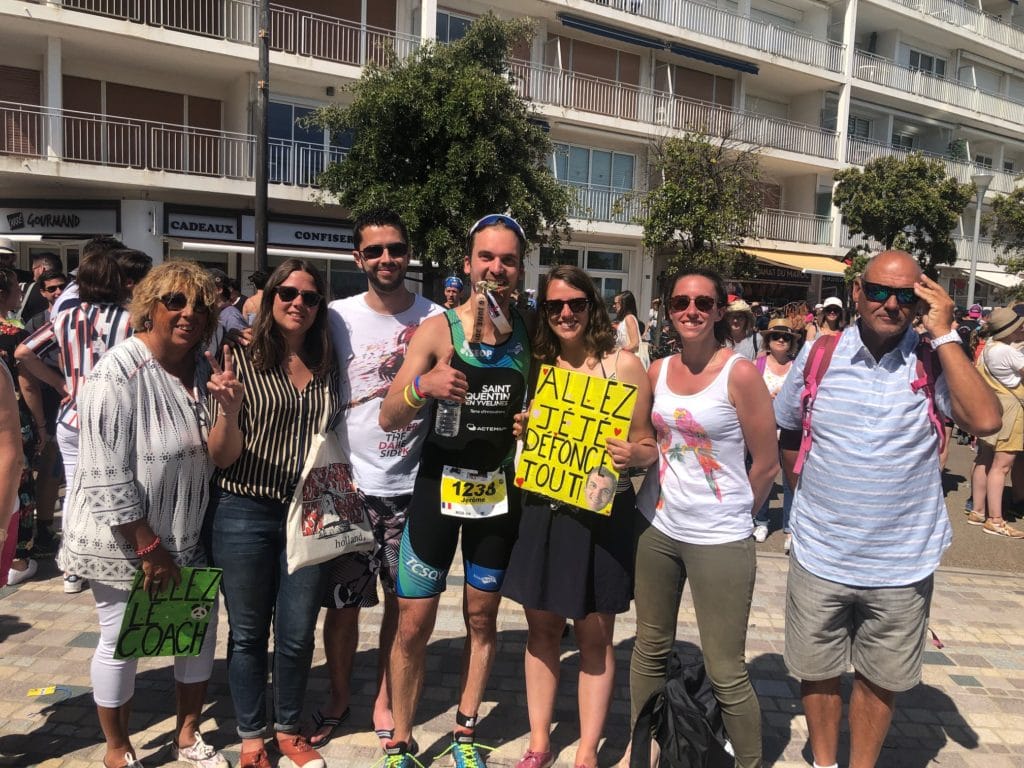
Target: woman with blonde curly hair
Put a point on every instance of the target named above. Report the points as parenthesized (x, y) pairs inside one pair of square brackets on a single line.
[(140, 492)]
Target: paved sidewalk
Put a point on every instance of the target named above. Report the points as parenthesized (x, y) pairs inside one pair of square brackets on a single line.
[(969, 711)]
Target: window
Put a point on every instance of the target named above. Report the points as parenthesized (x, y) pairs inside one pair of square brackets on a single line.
[(297, 154), (902, 141), (858, 127), (451, 26), (594, 167), (926, 62), (1008, 166), (983, 160), (548, 257), (608, 269)]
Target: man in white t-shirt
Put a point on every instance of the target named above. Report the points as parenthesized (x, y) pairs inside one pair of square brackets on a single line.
[(371, 332)]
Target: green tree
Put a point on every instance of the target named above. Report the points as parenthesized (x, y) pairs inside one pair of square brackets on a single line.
[(706, 205), (1006, 226), (443, 138), (908, 203)]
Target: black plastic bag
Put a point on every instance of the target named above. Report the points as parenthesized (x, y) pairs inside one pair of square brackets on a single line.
[(684, 719)]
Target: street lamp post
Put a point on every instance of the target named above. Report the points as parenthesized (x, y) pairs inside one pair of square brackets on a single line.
[(981, 182)]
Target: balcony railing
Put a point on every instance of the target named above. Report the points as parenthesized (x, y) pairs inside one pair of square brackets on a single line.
[(794, 227), (124, 142), (986, 251), (609, 98), (733, 28), (860, 151), (880, 71), (970, 19), (617, 206), (291, 30)]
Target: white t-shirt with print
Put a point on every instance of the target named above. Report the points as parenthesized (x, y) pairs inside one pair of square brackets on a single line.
[(371, 348), (1003, 362)]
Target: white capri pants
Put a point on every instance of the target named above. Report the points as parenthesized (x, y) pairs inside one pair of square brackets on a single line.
[(113, 680)]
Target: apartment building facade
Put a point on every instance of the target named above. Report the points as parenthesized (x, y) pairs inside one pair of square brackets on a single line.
[(134, 117)]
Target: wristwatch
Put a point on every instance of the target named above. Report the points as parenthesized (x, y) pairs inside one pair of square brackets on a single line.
[(948, 338)]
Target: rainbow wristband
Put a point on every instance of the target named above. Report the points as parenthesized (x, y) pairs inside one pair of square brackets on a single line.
[(417, 390)]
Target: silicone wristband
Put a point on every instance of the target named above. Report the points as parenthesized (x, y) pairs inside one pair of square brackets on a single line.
[(417, 390), (409, 400)]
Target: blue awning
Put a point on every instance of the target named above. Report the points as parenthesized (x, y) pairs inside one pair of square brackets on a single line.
[(623, 36), (714, 58)]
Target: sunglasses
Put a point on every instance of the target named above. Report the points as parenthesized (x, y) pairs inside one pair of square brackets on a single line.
[(287, 293), (881, 293), (52, 288), (176, 302), (681, 303), (778, 337), (396, 250), (498, 218), (834, 310), (554, 306)]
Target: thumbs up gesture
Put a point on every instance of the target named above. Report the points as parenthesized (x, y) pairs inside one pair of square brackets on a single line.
[(444, 382)]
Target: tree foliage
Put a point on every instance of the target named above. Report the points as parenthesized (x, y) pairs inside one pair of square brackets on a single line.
[(706, 205), (443, 138), (909, 203), (1006, 226)]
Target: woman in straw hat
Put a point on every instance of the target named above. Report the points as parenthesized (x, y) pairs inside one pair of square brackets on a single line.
[(1002, 367)]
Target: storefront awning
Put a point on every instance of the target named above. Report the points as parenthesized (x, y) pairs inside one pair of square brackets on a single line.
[(802, 262), (998, 279)]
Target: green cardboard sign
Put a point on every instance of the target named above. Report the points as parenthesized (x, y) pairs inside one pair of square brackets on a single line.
[(174, 622)]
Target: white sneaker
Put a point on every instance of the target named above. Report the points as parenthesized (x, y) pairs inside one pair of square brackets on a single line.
[(200, 754), (760, 533), (787, 543), (73, 584), (16, 577)]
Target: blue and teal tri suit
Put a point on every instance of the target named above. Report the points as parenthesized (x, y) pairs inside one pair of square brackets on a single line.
[(497, 376)]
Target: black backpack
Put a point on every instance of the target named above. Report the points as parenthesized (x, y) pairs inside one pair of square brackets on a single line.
[(684, 718)]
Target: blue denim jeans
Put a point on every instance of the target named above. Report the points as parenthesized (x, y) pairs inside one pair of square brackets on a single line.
[(248, 542), (761, 518)]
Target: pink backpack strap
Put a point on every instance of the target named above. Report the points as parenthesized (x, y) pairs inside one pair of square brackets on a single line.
[(814, 371), (761, 363), (928, 370)]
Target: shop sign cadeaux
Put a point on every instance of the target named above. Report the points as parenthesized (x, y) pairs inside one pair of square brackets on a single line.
[(83, 222), (564, 454), (202, 227)]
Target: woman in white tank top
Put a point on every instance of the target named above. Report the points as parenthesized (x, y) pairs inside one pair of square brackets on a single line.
[(710, 408)]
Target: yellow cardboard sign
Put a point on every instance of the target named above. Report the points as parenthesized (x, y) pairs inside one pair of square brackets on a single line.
[(564, 455)]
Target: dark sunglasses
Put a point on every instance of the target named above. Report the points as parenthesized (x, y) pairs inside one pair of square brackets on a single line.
[(554, 306), (779, 337), (881, 293), (833, 310), (396, 250), (289, 293), (52, 288), (498, 218), (681, 303), (176, 302)]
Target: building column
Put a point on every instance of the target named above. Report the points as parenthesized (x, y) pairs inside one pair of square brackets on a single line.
[(53, 97), (428, 19), (843, 107)]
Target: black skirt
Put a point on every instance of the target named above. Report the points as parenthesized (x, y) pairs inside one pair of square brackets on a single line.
[(573, 562)]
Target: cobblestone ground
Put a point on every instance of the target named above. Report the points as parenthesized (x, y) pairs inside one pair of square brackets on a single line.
[(969, 710)]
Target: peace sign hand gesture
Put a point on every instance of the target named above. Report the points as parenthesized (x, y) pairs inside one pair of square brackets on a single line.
[(226, 390)]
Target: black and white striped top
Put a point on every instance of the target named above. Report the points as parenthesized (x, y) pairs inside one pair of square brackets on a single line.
[(278, 423)]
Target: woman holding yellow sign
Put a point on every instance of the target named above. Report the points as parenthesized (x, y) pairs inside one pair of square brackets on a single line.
[(711, 407), (571, 562)]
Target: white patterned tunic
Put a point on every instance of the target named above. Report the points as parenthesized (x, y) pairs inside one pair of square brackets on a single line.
[(142, 455)]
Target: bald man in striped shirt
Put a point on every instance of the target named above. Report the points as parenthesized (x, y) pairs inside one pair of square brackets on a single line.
[(869, 518)]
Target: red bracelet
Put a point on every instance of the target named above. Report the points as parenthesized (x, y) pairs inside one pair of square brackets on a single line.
[(151, 547)]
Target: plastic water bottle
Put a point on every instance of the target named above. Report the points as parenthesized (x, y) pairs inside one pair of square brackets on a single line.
[(449, 416)]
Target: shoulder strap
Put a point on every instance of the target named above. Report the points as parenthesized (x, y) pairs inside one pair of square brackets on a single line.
[(817, 363), (928, 370), (761, 363)]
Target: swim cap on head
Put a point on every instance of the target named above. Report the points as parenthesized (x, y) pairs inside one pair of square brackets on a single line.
[(453, 282)]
